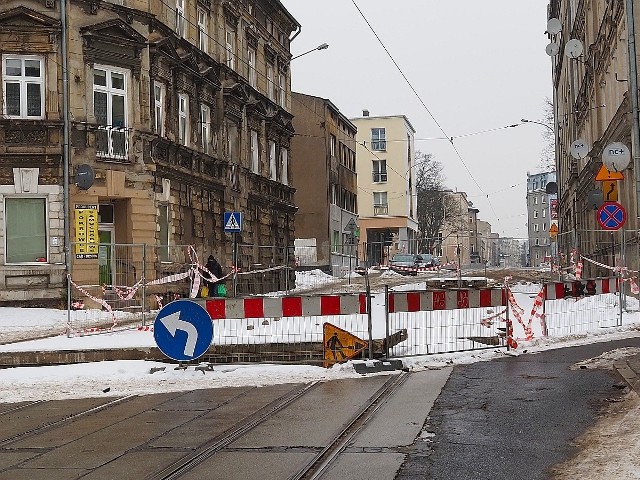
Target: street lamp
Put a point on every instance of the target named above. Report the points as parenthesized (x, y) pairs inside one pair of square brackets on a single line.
[(323, 46), (524, 120)]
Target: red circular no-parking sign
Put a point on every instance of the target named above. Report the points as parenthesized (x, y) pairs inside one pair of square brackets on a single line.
[(611, 216)]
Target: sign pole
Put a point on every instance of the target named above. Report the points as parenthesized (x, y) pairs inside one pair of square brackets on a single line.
[(235, 264)]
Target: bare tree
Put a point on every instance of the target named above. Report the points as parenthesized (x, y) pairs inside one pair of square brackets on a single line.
[(548, 154), (437, 210)]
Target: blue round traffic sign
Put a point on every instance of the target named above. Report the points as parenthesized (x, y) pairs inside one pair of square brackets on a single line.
[(611, 216), (183, 330)]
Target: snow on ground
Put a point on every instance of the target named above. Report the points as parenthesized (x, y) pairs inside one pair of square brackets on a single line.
[(135, 377)]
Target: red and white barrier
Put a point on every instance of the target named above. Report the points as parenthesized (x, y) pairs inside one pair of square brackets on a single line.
[(298, 306), (446, 299), (579, 288)]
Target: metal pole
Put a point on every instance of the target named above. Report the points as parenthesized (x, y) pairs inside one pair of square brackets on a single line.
[(369, 319), (633, 87), (65, 143), (235, 264), (144, 281), (507, 320), (386, 320)]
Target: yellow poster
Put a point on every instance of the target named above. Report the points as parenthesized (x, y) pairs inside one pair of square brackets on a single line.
[(86, 231)]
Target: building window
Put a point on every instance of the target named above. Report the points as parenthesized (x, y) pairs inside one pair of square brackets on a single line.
[(23, 87), (203, 31), (183, 119), (544, 199), (271, 86), (378, 139), (163, 233), (158, 100), (380, 205), (273, 175), (110, 111), (205, 127), (335, 241), (535, 214), (281, 90), (544, 227), (181, 25), (255, 163), (332, 146), (535, 227), (544, 213), (379, 170), (230, 48), (26, 230), (535, 200), (537, 243), (284, 163), (251, 63)]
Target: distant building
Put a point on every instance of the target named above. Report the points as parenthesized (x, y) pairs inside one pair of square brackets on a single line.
[(324, 176), (539, 217), (385, 157)]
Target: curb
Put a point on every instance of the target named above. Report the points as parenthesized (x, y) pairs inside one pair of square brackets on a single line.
[(628, 370)]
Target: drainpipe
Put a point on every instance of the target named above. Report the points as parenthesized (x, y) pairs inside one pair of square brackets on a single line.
[(65, 141), (633, 90)]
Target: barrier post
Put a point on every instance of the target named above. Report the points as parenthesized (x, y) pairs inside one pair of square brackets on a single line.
[(622, 296), (507, 319), (369, 319), (386, 321), (545, 330)]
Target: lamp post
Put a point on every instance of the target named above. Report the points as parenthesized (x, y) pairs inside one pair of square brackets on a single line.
[(323, 46), (524, 120)]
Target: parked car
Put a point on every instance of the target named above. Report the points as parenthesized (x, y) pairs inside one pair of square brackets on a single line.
[(429, 260), (406, 263)]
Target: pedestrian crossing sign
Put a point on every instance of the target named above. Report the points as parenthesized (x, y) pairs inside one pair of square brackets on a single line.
[(232, 221)]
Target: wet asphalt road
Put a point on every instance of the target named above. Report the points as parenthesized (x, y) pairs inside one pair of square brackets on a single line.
[(513, 418)]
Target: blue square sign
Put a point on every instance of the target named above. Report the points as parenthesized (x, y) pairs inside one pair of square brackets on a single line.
[(232, 221)]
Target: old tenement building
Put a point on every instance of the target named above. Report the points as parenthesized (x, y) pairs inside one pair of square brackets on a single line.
[(179, 112)]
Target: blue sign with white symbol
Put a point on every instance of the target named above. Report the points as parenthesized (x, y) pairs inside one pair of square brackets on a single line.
[(232, 221), (611, 216), (183, 330)]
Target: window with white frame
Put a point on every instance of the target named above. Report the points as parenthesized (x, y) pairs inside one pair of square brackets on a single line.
[(535, 200), (110, 111), (281, 90), (284, 165), (203, 30), (181, 24), (380, 205), (535, 214), (255, 159), (271, 86), (205, 127), (230, 47), (23, 86), (544, 213), (544, 199), (536, 227), (25, 230), (544, 227), (183, 119), (273, 171), (378, 139), (158, 101), (379, 170), (251, 64), (332, 146)]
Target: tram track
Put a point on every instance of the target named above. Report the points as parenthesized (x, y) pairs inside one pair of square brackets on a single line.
[(322, 462), (199, 456), (56, 423)]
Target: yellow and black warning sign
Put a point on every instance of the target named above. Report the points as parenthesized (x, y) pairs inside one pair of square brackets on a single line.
[(86, 231), (340, 345)]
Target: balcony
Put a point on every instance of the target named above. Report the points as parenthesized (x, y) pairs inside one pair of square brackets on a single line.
[(381, 210), (112, 142)]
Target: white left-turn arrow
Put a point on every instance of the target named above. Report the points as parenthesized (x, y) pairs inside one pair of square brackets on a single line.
[(173, 324)]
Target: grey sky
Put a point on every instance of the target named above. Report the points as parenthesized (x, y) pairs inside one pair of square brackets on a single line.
[(476, 66)]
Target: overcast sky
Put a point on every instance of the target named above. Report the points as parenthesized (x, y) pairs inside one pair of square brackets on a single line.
[(476, 66)]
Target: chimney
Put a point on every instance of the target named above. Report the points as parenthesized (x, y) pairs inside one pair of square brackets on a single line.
[(365, 113)]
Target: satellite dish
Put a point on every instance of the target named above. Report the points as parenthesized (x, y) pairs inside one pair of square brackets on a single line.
[(84, 176), (551, 188), (616, 157), (579, 149), (554, 26), (573, 48), (552, 49)]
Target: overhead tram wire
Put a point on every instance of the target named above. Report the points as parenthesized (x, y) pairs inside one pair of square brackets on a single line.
[(425, 107)]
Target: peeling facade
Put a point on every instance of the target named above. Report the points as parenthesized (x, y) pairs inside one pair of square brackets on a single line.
[(181, 108)]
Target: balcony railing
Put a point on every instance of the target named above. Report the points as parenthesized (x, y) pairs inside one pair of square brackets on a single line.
[(381, 209), (379, 145), (112, 142)]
